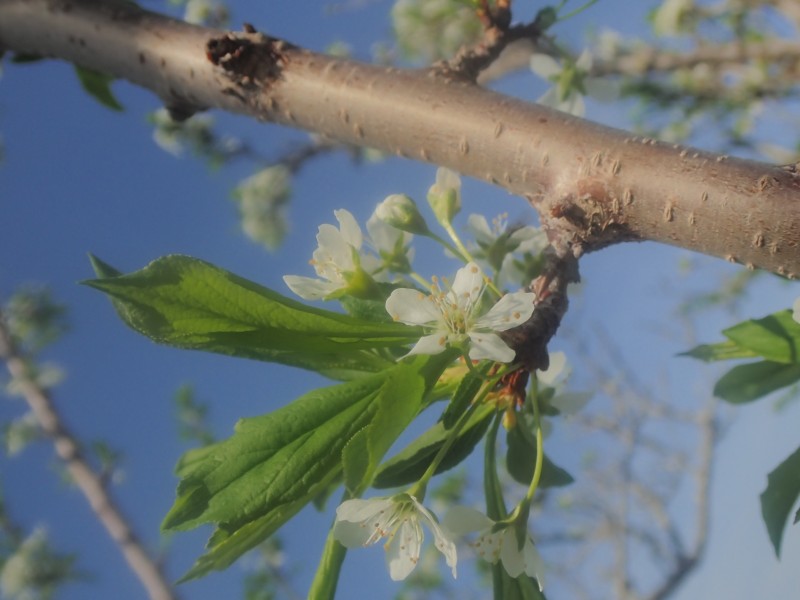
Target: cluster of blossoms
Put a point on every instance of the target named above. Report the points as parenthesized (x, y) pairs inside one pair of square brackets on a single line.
[(400, 518), (459, 315), (454, 316)]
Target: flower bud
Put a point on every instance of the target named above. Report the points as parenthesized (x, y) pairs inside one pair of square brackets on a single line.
[(445, 195), (400, 211)]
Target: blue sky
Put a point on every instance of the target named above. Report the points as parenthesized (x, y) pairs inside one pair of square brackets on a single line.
[(78, 178)]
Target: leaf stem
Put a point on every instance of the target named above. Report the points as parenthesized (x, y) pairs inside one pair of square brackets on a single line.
[(330, 565)]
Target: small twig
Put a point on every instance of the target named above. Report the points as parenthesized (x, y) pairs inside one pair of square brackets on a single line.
[(531, 338), (86, 479)]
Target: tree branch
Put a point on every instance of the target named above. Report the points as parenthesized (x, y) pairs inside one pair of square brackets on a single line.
[(593, 186), (89, 482)]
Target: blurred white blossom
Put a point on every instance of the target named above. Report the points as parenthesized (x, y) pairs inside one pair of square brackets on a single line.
[(571, 82), (497, 543), (668, 18), (262, 200)]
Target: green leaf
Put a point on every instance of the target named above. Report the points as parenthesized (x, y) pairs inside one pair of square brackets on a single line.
[(521, 462), (465, 393), (395, 410), (273, 465), (410, 463), (777, 500), (729, 350), (775, 337), (98, 85), (510, 588), (188, 303), (746, 383)]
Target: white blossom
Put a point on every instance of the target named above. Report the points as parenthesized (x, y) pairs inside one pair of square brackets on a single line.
[(504, 247), (392, 245), (452, 316), (796, 309), (668, 18), (399, 519), (556, 375), (337, 261), (571, 82), (497, 542)]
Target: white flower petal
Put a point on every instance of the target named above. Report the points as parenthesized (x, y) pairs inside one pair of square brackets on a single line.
[(550, 98), (446, 179), (333, 248), (557, 372), (461, 520), (796, 309), (402, 552), (571, 403), (511, 310), (430, 344), (383, 236), (467, 287), (534, 565), (350, 231), (573, 104), (489, 346), (442, 542), (309, 288), (412, 307), (479, 227), (545, 66), (362, 522), (584, 62), (510, 555)]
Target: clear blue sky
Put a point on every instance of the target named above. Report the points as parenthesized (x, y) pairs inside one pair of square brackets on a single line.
[(78, 178)]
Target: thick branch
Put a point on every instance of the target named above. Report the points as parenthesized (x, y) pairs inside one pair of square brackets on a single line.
[(85, 478), (592, 185)]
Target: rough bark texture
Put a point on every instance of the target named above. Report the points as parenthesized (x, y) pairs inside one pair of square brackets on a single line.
[(592, 185)]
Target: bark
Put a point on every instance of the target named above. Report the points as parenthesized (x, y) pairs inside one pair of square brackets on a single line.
[(593, 186)]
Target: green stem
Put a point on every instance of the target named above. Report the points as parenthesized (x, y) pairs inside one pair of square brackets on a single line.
[(420, 280), (537, 423), (418, 489), (455, 251), (330, 565), (578, 10), (457, 241)]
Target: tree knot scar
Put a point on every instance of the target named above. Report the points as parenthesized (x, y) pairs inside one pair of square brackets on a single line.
[(250, 58)]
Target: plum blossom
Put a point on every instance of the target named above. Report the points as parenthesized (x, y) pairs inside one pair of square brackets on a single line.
[(392, 245), (571, 83), (338, 262), (497, 542), (398, 518), (452, 316), (505, 248)]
